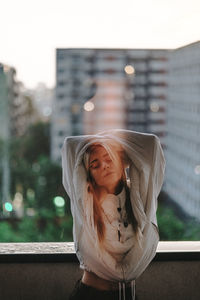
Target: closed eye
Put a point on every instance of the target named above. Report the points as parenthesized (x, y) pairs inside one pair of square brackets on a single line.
[(94, 165)]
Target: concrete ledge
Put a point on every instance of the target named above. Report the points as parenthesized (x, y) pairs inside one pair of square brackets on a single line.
[(68, 247), (179, 246), (64, 252)]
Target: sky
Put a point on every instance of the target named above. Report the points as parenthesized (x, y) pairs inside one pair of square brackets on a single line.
[(30, 31)]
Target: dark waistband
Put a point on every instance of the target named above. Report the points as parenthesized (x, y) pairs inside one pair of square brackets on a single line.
[(98, 292)]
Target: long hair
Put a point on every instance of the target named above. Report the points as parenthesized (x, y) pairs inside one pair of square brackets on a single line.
[(116, 153)]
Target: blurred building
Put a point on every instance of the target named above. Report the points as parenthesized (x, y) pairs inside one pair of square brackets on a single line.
[(42, 98), (98, 89), (183, 129), (16, 114), (7, 94), (22, 112), (147, 91)]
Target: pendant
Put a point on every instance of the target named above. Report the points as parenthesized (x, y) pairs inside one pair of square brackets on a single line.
[(125, 224), (119, 235)]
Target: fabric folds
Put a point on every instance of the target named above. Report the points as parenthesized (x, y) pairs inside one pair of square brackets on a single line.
[(146, 172)]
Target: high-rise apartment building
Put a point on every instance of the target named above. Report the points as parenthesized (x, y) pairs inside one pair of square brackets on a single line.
[(183, 129), (98, 89)]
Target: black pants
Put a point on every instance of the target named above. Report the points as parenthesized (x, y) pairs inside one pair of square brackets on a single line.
[(85, 292)]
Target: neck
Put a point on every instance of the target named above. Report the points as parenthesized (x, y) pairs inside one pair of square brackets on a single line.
[(116, 189), (119, 187)]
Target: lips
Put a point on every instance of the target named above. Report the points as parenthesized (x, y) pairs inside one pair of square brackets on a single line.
[(109, 173)]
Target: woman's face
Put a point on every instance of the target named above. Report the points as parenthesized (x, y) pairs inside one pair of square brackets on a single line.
[(105, 173)]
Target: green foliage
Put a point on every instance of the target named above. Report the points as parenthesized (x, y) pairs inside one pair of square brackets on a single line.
[(33, 144), (6, 233), (37, 142), (31, 168), (44, 227), (39, 180), (48, 183), (172, 228)]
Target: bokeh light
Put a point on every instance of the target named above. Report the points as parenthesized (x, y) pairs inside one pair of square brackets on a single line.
[(197, 170), (129, 69), (89, 106), (47, 111), (59, 201), (154, 107), (8, 206)]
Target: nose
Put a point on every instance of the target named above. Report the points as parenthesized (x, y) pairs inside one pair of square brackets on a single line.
[(105, 165)]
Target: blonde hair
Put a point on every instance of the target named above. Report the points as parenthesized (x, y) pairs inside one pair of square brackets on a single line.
[(115, 152)]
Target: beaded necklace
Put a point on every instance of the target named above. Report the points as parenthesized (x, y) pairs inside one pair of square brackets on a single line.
[(122, 219)]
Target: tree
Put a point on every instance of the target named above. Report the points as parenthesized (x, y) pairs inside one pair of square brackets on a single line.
[(31, 167)]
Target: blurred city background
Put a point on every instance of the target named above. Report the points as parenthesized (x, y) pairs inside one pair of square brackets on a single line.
[(146, 90), (79, 67)]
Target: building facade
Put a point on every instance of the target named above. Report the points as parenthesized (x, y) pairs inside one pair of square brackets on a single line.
[(183, 129), (16, 114), (7, 94), (99, 89)]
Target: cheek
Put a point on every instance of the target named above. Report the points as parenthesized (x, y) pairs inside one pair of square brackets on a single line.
[(116, 177), (118, 170), (118, 174), (96, 175)]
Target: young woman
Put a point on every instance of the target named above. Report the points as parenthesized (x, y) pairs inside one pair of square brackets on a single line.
[(115, 230)]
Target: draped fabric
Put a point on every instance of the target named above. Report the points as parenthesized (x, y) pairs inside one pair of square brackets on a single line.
[(146, 172)]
